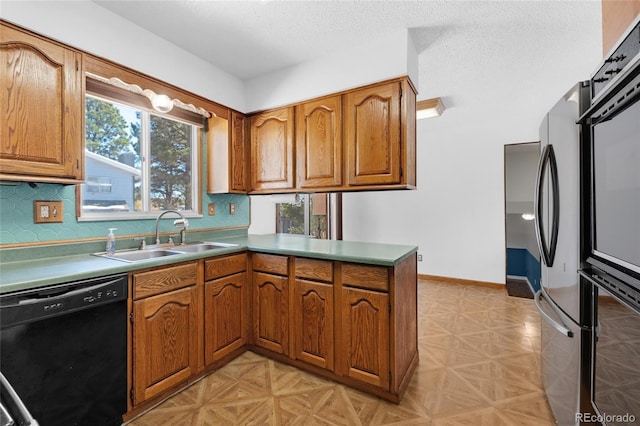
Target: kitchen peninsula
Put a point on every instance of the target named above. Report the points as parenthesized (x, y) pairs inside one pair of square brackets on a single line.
[(343, 310)]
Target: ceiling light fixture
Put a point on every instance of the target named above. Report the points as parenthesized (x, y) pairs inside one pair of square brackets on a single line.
[(429, 108)]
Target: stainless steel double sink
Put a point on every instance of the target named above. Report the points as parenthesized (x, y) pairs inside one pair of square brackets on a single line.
[(154, 252)]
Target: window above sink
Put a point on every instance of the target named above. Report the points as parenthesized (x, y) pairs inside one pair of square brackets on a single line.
[(138, 162)]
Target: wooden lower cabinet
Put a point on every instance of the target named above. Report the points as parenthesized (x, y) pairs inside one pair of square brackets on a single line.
[(226, 317), (352, 323), (166, 329), (164, 341), (226, 306), (271, 312), (312, 329), (364, 348)]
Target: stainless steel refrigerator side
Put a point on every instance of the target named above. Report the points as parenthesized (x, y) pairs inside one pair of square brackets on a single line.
[(561, 299), (560, 356), (563, 283)]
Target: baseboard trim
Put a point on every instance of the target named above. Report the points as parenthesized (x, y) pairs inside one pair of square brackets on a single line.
[(459, 281)]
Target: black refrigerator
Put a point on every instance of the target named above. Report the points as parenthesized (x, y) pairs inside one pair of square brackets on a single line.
[(563, 297)]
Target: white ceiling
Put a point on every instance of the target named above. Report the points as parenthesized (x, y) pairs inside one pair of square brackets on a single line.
[(481, 46)]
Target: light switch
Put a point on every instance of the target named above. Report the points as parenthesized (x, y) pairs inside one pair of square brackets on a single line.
[(211, 208), (232, 208)]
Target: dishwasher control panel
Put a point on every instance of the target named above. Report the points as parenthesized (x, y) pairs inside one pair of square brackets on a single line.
[(36, 304)]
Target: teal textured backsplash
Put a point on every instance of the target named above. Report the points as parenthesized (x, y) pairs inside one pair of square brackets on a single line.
[(17, 225)]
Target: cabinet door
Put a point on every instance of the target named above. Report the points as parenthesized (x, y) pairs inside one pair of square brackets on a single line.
[(313, 324), (373, 135), (165, 348), (42, 109), (319, 143), (272, 165), (271, 312), (239, 153), (226, 316), (364, 353)]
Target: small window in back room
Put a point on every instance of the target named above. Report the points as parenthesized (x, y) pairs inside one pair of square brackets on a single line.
[(138, 162)]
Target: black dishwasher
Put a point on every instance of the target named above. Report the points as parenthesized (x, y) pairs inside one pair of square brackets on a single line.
[(63, 349)]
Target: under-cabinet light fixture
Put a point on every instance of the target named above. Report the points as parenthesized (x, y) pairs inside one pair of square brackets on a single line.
[(429, 108), (161, 103), (528, 216)]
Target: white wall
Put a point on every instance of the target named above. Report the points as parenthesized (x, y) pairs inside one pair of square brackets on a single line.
[(390, 55), (263, 212), (521, 168), (85, 25), (456, 216), (522, 234)]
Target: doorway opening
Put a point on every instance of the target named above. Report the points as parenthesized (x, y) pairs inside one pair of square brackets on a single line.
[(521, 249)]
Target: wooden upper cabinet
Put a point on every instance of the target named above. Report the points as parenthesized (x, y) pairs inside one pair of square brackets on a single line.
[(272, 163), (239, 153), (227, 154), (372, 135), (319, 143), (42, 109), (360, 139)]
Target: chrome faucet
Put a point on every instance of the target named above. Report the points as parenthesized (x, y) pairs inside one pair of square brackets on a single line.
[(179, 222)]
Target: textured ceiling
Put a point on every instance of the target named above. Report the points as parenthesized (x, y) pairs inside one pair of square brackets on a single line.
[(463, 45)]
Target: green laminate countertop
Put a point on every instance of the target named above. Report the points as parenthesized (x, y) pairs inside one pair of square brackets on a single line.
[(38, 272)]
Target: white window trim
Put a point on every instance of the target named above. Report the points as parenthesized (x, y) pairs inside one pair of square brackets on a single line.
[(145, 169)]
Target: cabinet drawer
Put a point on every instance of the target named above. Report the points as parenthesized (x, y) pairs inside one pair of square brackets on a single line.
[(223, 266), (366, 276), (314, 269), (162, 280), (271, 263)]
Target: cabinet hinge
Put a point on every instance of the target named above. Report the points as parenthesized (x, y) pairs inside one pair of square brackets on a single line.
[(400, 92), (131, 317), (389, 308), (131, 394), (77, 65), (389, 376)]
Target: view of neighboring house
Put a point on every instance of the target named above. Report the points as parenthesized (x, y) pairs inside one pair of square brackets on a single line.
[(110, 184)]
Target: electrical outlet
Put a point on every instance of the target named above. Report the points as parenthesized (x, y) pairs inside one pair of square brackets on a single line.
[(48, 212), (211, 208), (419, 258), (232, 208)]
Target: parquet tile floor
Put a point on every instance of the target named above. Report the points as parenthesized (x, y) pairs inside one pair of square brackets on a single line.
[(479, 365)]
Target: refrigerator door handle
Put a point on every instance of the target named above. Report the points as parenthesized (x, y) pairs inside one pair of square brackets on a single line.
[(547, 159), (553, 168), (558, 326), (537, 201)]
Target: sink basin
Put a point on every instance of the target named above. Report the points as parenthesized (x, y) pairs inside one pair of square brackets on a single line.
[(138, 255), (155, 252), (200, 247)]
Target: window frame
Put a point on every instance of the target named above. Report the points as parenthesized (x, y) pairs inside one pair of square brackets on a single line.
[(197, 138)]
